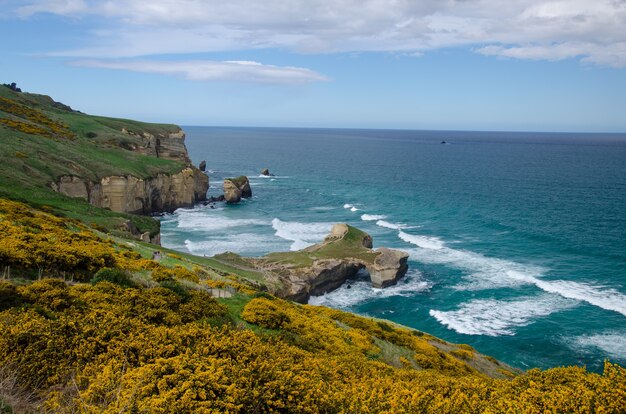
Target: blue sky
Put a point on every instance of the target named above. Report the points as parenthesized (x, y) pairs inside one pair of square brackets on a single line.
[(530, 65)]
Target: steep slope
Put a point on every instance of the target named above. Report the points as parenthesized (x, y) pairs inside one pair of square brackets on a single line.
[(55, 156)]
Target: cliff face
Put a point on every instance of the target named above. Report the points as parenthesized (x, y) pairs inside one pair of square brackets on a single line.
[(130, 194), (134, 195), (170, 146)]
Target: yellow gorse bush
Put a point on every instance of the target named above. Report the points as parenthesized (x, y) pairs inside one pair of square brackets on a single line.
[(171, 349), (35, 122), (103, 348)]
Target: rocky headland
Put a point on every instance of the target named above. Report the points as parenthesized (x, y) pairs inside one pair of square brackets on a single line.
[(325, 266)]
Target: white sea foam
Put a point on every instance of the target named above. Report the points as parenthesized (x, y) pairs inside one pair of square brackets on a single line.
[(372, 217), (323, 208), (600, 296), (387, 225), (301, 234), (361, 291), (353, 209), (240, 243), (611, 343), (272, 177), (200, 220), (488, 273), (424, 242), (347, 205), (500, 317)]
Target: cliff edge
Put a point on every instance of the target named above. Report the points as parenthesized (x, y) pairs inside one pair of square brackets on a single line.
[(103, 171)]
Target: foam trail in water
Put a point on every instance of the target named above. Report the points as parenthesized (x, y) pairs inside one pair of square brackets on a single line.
[(387, 225), (498, 317), (301, 234), (611, 343), (361, 291), (422, 241), (372, 217), (200, 220), (489, 273), (241, 243), (347, 205), (353, 209), (600, 296)]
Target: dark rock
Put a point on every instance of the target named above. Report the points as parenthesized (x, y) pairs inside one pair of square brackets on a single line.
[(265, 172), (202, 165)]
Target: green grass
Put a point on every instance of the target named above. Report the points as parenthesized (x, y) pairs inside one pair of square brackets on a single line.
[(29, 163), (238, 181), (350, 246)]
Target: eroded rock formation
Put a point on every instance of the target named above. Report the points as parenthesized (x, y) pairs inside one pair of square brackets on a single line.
[(236, 188), (130, 194), (325, 266), (135, 195)]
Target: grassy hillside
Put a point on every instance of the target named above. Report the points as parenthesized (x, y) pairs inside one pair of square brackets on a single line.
[(107, 329), (42, 140)]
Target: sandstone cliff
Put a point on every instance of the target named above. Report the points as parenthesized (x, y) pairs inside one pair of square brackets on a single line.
[(168, 145), (236, 188), (130, 194), (138, 196)]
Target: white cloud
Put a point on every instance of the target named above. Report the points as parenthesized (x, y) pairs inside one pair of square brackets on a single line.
[(61, 7), (204, 70), (592, 30)]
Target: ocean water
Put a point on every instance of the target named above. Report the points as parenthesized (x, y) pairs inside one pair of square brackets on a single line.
[(517, 241)]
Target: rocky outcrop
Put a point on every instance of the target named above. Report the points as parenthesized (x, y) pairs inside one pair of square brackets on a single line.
[(325, 275), (170, 145), (236, 188), (389, 266), (265, 172), (202, 166), (130, 194), (325, 266)]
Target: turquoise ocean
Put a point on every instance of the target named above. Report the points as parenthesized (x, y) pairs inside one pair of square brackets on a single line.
[(517, 241)]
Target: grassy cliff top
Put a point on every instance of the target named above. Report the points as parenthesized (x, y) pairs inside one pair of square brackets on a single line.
[(42, 140), (238, 181), (347, 245)]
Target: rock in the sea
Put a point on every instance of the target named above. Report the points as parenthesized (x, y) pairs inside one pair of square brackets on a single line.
[(265, 172), (325, 266), (236, 188), (389, 266), (202, 166)]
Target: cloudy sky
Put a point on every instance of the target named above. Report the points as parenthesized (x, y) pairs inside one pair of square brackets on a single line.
[(534, 65)]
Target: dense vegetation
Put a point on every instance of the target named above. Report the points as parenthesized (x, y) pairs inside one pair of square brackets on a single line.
[(42, 140), (147, 336)]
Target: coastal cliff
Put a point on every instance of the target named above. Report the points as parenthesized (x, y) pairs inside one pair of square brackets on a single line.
[(130, 194), (102, 171), (134, 195)]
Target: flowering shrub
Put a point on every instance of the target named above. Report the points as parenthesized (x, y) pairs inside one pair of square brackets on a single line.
[(35, 122)]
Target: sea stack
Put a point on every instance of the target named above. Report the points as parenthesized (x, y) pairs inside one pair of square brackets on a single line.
[(236, 188), (265, 172), (202, 166)]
